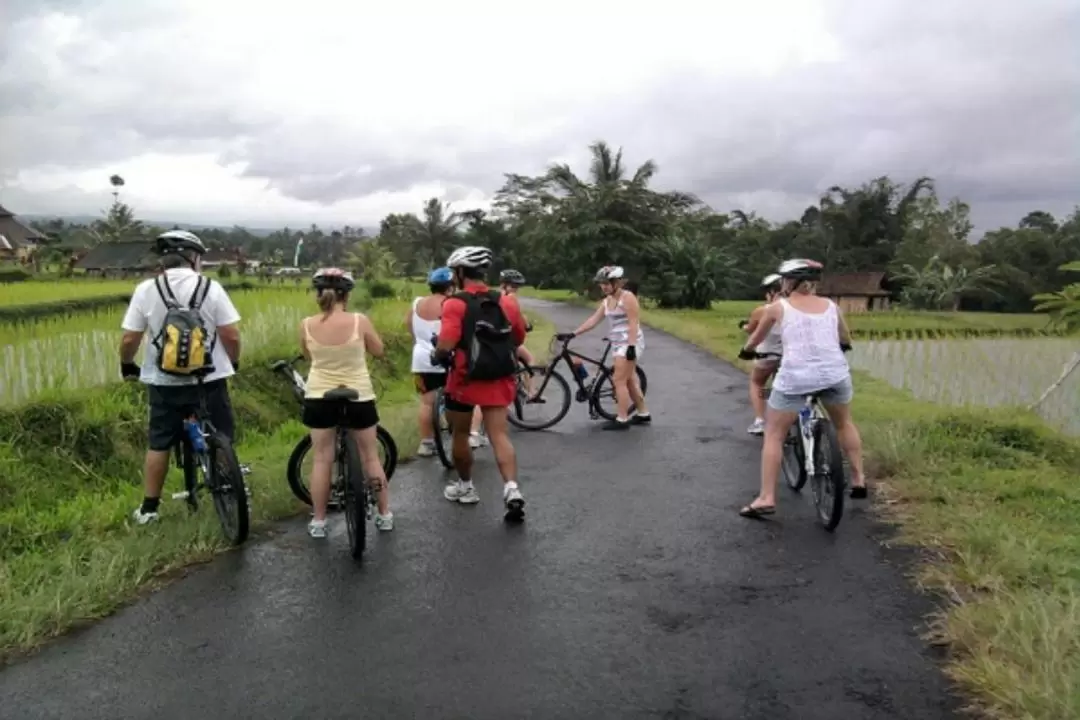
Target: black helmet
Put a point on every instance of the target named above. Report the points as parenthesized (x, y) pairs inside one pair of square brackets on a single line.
[(178, 241), (333, 279), (511, 277)]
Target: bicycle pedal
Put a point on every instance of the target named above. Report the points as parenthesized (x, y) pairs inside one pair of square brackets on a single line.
[(181, 495)]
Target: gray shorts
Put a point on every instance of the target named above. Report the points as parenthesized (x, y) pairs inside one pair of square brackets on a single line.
[(839, 394)]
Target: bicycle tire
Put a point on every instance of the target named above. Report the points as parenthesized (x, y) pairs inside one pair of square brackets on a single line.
[(356, 500), (793, 462), (607, 378), (294, 470), (559, 380), (227, 488), (191, 475), (827, 455), (441, 431)]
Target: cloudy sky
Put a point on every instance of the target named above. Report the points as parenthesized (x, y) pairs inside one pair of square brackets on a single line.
[(340, 112)]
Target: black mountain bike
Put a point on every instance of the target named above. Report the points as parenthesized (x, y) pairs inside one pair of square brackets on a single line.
[(812, 451), (209, 463), (598, 389), (388, 451)]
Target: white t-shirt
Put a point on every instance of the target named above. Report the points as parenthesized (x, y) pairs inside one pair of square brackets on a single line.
[(146, 314)]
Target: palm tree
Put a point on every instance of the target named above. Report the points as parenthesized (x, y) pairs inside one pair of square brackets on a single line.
[(438, 229), (1063, 305), (939, 286)]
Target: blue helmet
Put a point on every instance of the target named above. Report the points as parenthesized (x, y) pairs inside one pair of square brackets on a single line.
[(440, 276)]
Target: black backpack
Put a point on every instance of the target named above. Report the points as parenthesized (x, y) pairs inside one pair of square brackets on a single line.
[(486, 337)]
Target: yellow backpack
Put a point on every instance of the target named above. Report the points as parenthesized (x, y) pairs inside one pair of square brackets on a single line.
[(182, 342)]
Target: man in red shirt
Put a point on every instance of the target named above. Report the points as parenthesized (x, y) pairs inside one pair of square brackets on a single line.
[(470, 265)]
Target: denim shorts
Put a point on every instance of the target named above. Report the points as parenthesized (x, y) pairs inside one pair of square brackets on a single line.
[(839, 394)]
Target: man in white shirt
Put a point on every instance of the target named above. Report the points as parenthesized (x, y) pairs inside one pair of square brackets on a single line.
[(172, 397)]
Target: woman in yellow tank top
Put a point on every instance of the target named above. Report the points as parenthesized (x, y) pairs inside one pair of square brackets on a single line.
[(337, 343)]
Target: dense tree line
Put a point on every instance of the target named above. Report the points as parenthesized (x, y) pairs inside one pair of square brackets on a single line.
[(559, 226)]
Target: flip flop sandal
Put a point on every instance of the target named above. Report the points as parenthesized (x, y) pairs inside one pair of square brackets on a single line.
[(757, 513)]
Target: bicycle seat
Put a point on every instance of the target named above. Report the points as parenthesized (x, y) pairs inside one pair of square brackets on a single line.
[(342, 393)]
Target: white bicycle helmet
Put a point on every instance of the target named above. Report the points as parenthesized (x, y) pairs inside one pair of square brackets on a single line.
[(801, 269), (175, 241), (609, 273), (333, 279), (470, 256), (771, 280)]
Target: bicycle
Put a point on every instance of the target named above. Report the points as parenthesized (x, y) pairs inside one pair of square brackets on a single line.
[(595, 389), (388, 451), (812, 451), (209, 462)]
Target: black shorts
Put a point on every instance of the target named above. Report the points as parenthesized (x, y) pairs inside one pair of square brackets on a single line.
[(322, 414), (170, 405), (454, 406), (427, 382)]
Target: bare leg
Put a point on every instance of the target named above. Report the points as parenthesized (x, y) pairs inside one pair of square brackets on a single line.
[(463, 458), (850, 441), (636, 395), (427, 409), (624, 369), (368, 442), (322, 448), (495, 420), (155, 468), (777, 424)]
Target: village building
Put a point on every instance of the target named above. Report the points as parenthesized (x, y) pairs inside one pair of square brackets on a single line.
[(126, 259), (17, 241), (856, 292)]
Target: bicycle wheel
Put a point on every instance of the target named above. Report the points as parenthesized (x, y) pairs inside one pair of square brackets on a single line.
[(828, 481), (603, 394), (296, 472), (387, 451), (226, 485), (547, 387), (793, 464), (355, 489), (442, 435)]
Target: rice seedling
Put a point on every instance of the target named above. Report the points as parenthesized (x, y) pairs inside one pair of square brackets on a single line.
[(979, 372), (31, 292)]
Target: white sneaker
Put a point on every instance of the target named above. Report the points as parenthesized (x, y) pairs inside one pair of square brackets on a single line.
[(515, 503), (461, 493), (385, 522), (476, 440), (426, 449), (757, 427), (142, 518), (317, 528)]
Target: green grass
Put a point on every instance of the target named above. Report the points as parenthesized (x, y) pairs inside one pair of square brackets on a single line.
[(70, 475), (991, 497)]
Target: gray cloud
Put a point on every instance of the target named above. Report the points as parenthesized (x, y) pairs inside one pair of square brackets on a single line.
[(984, 96)]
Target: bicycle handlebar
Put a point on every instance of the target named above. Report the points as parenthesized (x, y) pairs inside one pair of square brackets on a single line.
[(761, 356)]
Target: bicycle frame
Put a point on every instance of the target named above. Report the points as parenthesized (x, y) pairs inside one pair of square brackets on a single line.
[(197, 428), (568, 356)]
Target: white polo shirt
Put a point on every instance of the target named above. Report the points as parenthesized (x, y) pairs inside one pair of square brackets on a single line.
[(146, 314)]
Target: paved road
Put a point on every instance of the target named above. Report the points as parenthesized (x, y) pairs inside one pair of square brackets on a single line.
[(633, 590)]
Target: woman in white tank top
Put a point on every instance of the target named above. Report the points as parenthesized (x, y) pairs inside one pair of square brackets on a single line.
[(763, 367), (423, 321), (812, 334), (620, 308)]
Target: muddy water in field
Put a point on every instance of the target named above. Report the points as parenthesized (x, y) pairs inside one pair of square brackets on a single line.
[(987, 372)]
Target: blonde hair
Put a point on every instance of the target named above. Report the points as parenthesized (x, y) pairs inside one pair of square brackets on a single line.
[(328, 298)]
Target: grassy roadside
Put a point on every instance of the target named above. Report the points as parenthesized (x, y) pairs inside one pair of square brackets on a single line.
[(71, 476), (992, 499)]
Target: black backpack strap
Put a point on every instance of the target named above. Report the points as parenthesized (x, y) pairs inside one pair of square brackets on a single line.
[(203, 284), (468, 323), (165, 292)]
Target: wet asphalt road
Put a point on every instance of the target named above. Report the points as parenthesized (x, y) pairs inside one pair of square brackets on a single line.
[(633, 590)]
